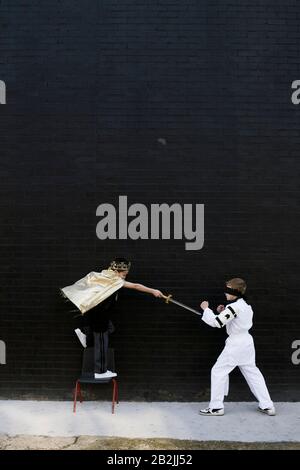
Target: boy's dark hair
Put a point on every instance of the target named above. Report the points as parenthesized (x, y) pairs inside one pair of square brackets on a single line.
[(120, 264), (237, 284)]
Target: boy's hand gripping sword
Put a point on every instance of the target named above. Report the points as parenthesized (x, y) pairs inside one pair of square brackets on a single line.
[(168, 299)]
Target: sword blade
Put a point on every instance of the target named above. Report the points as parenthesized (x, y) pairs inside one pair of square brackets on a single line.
[(184, 306)]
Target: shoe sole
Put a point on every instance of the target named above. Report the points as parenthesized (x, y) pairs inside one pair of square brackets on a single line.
[(107, 377), (266, 413), (210, 414)]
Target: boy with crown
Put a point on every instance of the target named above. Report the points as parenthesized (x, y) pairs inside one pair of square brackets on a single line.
[(95, 295)]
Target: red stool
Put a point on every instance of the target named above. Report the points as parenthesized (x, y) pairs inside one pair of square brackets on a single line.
[(77, 390), (87, 376)]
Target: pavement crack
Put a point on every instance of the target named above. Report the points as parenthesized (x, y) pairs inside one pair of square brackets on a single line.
[(70, 444)]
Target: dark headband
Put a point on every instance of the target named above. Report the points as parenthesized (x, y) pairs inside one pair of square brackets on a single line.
[(229, 290)]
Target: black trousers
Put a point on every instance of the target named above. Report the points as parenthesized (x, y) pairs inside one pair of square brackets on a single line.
[(100, 341), (100, 351), (95, 338)]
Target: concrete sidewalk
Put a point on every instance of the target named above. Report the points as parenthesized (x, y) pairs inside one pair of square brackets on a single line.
[(241, 423)]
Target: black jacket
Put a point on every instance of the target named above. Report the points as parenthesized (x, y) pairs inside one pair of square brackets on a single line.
[(98, 317)]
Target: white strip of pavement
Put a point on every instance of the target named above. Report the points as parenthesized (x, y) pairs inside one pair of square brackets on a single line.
[(241, 422)]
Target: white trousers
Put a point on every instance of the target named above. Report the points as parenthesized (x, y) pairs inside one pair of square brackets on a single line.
[(238, 352)]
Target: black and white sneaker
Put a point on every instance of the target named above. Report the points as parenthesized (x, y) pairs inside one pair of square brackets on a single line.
[(212, 412), (106, 375), (268, 411)]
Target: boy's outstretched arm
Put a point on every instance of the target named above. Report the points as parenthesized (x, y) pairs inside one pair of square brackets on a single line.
[(142, 288)]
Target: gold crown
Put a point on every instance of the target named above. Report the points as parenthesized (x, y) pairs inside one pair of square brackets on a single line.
[(120, 266)]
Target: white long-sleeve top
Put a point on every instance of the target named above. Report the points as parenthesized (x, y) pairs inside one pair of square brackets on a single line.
[(239, 323)]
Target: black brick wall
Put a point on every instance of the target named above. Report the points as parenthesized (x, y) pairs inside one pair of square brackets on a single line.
[(92, 87)]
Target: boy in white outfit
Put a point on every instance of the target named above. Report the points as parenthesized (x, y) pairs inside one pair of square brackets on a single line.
[(239, 350)]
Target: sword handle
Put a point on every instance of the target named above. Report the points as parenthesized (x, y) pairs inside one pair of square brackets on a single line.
[(167, 298)]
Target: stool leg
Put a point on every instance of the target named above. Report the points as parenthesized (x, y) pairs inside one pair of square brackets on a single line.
[(117, 392), (79, 392), (75, 396), (113, 396)]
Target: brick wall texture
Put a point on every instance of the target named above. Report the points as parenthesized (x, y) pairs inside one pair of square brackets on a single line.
[(164, 102)]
